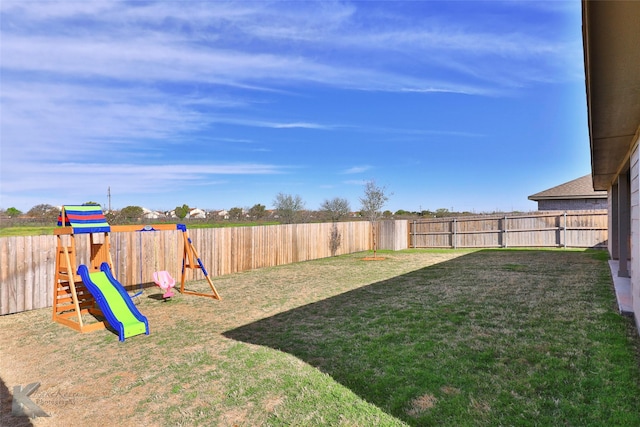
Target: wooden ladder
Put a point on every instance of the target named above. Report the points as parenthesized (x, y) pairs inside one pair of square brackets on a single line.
[(71, 299)]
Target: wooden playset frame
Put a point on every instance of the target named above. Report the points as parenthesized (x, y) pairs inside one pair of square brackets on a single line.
[(71, 298)]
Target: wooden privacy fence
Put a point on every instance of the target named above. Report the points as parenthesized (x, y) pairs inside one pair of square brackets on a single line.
[(571, 229), (27, 263)]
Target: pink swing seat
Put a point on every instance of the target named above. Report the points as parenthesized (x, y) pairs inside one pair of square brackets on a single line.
[(165, 281)]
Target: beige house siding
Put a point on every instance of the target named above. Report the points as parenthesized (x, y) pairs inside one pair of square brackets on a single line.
[(572, 204), (635, 230), (612, 230)]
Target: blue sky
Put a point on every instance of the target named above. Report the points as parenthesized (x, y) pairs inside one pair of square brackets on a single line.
[(447, 104)]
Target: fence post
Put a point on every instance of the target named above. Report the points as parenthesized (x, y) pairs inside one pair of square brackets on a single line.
[(413, 234), (455, 235), (564, 237), (504, 232)]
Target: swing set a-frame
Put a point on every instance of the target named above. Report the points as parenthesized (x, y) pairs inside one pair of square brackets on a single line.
[(71, 298)]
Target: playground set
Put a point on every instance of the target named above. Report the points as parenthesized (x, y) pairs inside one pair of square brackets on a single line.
[(92, 289)]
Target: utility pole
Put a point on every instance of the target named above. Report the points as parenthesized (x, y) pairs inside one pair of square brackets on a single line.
[(109, 197)]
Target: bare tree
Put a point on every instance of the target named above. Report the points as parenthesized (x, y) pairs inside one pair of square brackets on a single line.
[(372, 202), (131, 213), (43, 212), (336, 208), (235, 214), (335, 239), (258, 211), (288, 207)]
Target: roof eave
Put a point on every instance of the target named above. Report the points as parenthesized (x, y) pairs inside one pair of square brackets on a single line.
[(535, 198), (610, 36)]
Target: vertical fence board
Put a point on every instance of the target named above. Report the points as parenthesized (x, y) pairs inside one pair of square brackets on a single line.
[(47, 269), (28, 273), (20, 267), (4, 275)]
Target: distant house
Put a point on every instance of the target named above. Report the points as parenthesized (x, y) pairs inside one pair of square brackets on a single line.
[(222, 214), (149, 214), (573, 195), (196, 213)]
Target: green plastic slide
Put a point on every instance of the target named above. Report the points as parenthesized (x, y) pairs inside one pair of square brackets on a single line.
[(115, 303)]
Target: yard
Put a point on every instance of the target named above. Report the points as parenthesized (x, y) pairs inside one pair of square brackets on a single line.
[(423, 337)]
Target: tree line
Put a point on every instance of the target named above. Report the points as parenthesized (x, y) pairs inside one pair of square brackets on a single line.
[(288, 209)]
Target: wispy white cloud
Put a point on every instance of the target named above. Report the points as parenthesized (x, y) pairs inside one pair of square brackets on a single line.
[(259, 123), (301, 125), (68, 181), (128, 43), (168, 172), (356, 169)]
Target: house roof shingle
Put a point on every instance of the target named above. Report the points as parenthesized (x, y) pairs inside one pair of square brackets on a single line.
[(580, 188)]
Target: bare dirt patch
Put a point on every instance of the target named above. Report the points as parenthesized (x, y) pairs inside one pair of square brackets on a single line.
[(421, 404)]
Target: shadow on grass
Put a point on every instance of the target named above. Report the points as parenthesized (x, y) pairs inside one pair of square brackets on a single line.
[(378, 340), (7, 418), (451, 343)]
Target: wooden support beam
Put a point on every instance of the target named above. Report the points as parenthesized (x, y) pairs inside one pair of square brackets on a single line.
[(189, 253)]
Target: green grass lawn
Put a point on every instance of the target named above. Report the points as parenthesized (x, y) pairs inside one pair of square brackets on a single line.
[(26, 231), (422, 338)]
